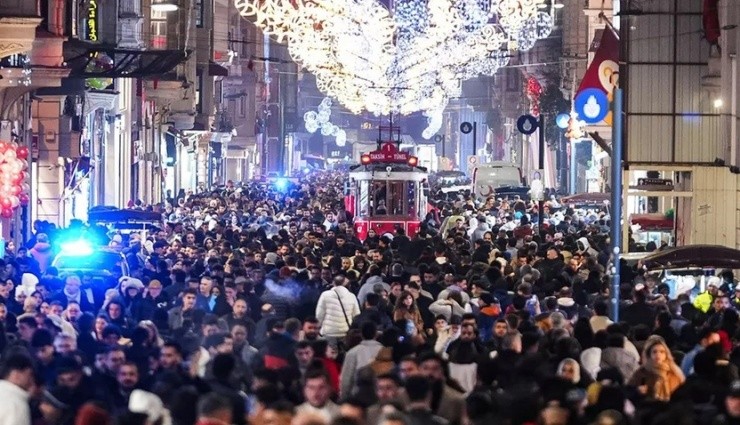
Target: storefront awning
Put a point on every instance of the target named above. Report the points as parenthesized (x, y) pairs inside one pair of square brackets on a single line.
[(89, 60), (652, 222), (217, 70), (701, 256)]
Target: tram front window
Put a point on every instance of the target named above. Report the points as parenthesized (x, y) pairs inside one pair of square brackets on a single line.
[(389, 198)]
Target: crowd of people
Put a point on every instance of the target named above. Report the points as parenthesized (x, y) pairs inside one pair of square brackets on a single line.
[(256, 304)]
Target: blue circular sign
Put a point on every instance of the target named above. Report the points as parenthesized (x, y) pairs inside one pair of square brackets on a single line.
[(466, 127), (592, 106), (527, 124)]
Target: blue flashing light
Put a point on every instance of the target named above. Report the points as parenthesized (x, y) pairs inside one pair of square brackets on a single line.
[(79, 248), (281, 184)]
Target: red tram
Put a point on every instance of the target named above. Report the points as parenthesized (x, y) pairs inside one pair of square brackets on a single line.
[(387, 190)]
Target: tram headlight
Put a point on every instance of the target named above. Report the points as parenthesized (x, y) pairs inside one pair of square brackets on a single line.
[(412, 161), (365, 159)]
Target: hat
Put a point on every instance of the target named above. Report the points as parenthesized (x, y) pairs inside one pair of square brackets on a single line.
[(271, 258), (714, 281), (68, 364), (149, 404), (488, 298), (131, 282)]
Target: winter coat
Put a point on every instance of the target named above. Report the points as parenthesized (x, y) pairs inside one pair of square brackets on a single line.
[(336, 310), (42, 253)]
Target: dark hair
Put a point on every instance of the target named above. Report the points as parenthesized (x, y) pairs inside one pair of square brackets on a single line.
[(15, 362), (174, 345), (303, 344), (600, 308), (212, 403), (417, 388), (369, 330), (223, 366), (372, 299)]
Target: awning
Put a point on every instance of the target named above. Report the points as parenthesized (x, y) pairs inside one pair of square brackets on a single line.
[(694, 256), (652, 222), (89, 60), (217, 70), (587, 198)]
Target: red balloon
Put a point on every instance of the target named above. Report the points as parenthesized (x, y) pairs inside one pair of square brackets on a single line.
[(18, 180), (22, 152), (4, 146), (16, 190), (23, 197), (6, 213)]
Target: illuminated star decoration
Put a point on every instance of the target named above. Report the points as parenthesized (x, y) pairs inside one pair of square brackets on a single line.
[(319, 120), (412, 57)]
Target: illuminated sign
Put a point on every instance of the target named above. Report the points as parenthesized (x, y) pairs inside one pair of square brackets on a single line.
[(387, 153), (91, 21)]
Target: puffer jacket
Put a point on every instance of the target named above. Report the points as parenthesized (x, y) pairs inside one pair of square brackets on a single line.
[(335, 321)]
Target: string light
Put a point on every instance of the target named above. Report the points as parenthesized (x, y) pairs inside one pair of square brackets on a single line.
[(408, 59), (320, 121)]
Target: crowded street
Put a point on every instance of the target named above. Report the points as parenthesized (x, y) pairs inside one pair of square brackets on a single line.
[(261, 304), (369, 212)]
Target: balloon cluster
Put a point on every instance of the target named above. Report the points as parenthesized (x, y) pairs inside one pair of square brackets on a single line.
[(13, 170)]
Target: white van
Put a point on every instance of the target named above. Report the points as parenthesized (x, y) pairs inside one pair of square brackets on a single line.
[(488, 177)]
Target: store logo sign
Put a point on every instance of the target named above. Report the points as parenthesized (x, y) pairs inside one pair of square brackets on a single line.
[(91, 21)]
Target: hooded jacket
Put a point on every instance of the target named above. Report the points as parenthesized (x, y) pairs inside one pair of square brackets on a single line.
[(42, 253)]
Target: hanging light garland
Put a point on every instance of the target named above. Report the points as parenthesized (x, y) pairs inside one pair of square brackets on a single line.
[(320, 120), (411, 58)]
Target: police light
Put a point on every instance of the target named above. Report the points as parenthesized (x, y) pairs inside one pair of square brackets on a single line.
[(412, 161), (79, 248), (365, 159), (281, 184)]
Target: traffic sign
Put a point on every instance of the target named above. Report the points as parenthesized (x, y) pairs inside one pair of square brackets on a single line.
[(592, 106), (527, 124), (472, 162), (439, 138), (466, 127)]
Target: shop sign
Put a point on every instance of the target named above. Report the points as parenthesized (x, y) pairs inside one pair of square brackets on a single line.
[(91, 21)]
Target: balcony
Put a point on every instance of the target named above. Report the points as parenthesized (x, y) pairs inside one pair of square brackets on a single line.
[(89, 60)]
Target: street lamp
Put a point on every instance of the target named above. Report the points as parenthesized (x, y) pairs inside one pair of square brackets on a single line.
[(164, 5)]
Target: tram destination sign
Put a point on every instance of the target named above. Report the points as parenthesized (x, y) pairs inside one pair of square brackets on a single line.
[(388, 153)]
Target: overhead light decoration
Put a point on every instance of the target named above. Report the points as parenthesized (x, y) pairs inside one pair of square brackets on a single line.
[(320, 121), (412, 57)]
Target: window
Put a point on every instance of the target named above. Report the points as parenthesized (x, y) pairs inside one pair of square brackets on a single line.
[(512, 80), (199, 12), (199, 93), (219, 92), (158, 30), (242, 106)]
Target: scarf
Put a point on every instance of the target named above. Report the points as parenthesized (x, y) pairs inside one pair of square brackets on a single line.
[(76, 298)]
